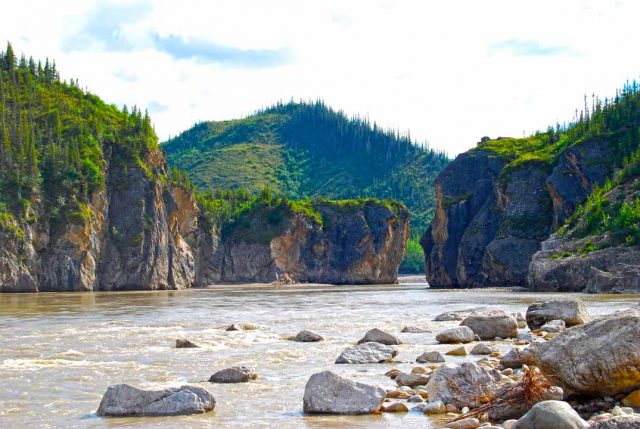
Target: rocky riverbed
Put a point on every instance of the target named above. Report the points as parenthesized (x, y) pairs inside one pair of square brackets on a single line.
[(61, 351)]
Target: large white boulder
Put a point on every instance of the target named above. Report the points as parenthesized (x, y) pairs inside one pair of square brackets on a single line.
[(328, 393)]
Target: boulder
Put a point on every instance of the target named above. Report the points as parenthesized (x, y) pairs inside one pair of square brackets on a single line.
[(491, 324), (123, 400), (377, 336), (553, 326), (483, 349), (307, 337), (368, 353), (236, 374), (415, 330), (462, 385), (412, 380), (600, 358), (430, 357), (448, 316), (619, 422), (185, 344), (513, 359), (622, 278), (551, 415), (461, 334), (328, 393), (572, 312)]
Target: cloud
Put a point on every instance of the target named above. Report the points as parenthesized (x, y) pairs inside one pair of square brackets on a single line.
[(106, 28), (126, 75), (211, 52), (156, 107), (530, 48)]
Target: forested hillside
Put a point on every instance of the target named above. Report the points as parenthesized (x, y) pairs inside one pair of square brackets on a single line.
[(53, 136)]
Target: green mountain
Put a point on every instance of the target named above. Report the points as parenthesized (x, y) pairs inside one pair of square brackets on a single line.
[(308, 150)]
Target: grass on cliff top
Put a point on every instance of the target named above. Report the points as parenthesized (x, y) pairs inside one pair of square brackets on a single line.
[(540, 147)]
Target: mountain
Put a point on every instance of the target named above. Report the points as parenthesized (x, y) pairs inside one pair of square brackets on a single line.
[(530, 211), (304, 150), (87, 202)]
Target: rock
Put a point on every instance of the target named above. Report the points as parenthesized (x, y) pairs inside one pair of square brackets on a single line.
[(514, 410), (621, 411), (488, 325), (483, 349), (553, 326), (123, 400), (393, 373), (185, 344), (415, 398), (522, 322), (458, 351), (620, 422), (457, 384), (415, 330), (378, 336), (430, 357), (412, 380), (396, 394), (435, 407), (606, 350), (632, 399), (448, 317), (307, 337), (621, 278), (572, 312), (461, 334), (243, 327), (468, 423), (551, 415), (236, 374), (328, 393), (396, 407), (513, 359), (509, 424), (368, 353)]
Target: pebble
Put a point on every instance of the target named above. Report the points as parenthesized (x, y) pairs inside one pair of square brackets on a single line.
[(420, 370), (452, 408), (469, 423), (398, 394), (405, 389), (621, 411), (458, 351), (436, 407), (422, 393), (464, 410), (507, 371), (415, 398), (509, 424), (396, 407), (393, 373)]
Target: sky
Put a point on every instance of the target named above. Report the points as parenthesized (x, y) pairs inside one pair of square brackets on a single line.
[(449, 72)]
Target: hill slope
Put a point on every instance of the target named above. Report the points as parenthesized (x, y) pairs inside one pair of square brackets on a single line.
[(306, 150)]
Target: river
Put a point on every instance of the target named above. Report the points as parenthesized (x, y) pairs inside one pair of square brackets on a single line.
[(60, 351)]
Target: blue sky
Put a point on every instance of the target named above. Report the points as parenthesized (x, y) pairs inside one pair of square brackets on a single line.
[(449, 72)]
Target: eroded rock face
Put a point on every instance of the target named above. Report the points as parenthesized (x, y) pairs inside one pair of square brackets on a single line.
[(571, 311), (123, 400), (328, 393), (491, 324), (600, 357)]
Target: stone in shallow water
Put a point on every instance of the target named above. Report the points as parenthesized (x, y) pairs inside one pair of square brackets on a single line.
[(491, 324), (458, 351), (414, 330), (430, 357), (483, 349), (328, 393), (553, 326), (243, 327), (236, 374), (185, 344), (412, 380), (368, 353), (457, 384), (461, 334), (551, 415), (572, 311), (377, 336), (448, 317), (124, 400), (307, 337)]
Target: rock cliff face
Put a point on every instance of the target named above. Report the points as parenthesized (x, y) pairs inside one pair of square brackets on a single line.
[(143, 233), (492, 214), (360, 243)]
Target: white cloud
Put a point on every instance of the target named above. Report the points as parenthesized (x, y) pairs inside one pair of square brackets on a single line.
[(450, 72)]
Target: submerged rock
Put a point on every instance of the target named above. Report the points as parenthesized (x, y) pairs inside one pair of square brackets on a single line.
[(414, 330), (328, 393), (488, 325), (449, 316), (243, 327), (185, 344), (461, 334), (377, 336), (368, 353), (551, 415), (123, 400), (600, 357), (236, 374), (307, 337), (462, 385), (412, 380), (571, 311)]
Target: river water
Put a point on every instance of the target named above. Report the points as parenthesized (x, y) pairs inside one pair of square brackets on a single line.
[(60, 351)]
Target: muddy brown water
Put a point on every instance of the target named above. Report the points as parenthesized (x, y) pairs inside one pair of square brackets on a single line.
[(60, 351)]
